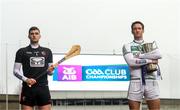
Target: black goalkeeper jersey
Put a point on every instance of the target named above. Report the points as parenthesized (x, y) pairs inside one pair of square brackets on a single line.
[(34, 61)]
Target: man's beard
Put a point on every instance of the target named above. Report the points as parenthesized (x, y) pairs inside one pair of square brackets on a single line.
[(34, 42)]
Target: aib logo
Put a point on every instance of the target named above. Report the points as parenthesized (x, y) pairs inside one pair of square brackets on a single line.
[(69, 73)]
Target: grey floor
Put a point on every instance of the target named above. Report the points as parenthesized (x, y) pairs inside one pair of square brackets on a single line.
[(114, 107)]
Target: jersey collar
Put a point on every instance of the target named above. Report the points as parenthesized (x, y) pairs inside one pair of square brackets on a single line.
[(34, 46), (138, 41)]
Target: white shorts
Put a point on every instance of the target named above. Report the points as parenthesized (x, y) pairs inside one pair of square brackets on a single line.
[(149, 91)]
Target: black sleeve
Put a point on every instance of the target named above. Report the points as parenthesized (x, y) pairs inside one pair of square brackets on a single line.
[(19, 55), (50, 57)]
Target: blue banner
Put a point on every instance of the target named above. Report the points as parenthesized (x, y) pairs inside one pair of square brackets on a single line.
[(106, 73)]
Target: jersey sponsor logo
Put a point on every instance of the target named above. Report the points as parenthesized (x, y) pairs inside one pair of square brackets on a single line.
[(37, 61), (135, 48)]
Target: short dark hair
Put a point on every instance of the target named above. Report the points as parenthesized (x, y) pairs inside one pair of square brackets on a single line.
[(137, 22), (33, 28)]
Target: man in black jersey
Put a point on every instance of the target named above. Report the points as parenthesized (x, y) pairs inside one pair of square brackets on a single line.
[(34, 60)]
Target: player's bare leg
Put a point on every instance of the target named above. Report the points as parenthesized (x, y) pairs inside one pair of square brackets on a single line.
[(154, 104), (45, 107), (25, 107), (134, 105)]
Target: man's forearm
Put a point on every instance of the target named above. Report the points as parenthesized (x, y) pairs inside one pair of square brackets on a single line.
[(135, 62), (155, 54), (17, 73)]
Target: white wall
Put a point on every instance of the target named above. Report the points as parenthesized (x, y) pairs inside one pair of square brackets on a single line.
[(0, 43), (99, 26)]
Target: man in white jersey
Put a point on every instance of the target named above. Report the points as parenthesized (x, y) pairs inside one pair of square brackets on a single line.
[(141, 85)]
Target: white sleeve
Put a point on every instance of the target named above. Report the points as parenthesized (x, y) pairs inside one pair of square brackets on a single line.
[(155, 54), (135, 62), (17, 72), (131, 60)]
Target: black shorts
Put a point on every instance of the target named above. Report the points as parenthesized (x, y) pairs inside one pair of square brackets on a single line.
[(35, 95)]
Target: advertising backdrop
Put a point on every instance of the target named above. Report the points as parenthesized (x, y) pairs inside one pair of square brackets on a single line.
[(90, 72)]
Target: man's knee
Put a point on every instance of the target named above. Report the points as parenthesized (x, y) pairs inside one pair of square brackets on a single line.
[(154, 104), (45, 107), (134, 105)]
